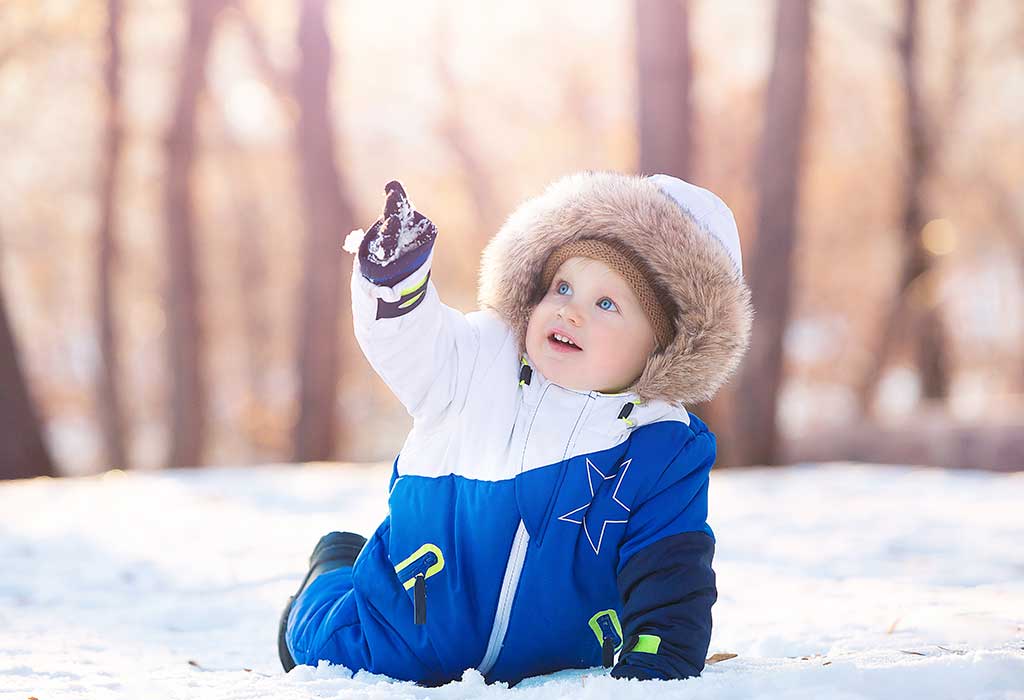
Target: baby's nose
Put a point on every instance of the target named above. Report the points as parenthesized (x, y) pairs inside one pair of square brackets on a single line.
[(571, 314)]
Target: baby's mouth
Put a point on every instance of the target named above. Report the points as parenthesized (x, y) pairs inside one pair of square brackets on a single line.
[(561, 343)]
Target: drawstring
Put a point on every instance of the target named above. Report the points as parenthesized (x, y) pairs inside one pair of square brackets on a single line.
[(525, 373)]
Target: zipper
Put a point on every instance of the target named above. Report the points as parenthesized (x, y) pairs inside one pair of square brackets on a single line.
[(509, 585), (563, 469), (610, 640), (608, 630)]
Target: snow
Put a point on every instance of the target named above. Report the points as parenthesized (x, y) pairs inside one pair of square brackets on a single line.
[(352, 241), (410, 234), (839, 581)]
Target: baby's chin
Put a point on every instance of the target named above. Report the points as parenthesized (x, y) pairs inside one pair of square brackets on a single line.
[(578, 385), (562, 379), (563, 375)]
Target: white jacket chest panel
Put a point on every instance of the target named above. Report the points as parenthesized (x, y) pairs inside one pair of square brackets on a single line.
[(505, 428)]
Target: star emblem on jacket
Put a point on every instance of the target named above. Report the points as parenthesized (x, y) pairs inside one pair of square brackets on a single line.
[(603, 507)]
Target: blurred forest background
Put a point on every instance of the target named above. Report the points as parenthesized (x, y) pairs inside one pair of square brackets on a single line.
[(177, 177)]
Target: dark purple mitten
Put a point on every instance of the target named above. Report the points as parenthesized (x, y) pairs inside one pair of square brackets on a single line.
[(398, 242)]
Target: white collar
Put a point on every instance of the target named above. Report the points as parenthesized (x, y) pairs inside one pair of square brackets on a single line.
[(625, 409)]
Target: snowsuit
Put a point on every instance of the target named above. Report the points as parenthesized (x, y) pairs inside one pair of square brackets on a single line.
[(553, 528)]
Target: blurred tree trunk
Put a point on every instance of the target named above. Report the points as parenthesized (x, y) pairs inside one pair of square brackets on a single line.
[(328, 217), (23, 453), (1008, 208), (914, 306), (720, 416), (188, 400), (912, 291), (111, 416), (929, 340), (664, 78), (771, 272)]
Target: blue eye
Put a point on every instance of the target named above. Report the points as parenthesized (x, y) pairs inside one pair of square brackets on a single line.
[(563, 287), (611, 304)]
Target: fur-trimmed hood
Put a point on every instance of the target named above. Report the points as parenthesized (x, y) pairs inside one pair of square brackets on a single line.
[(713, 313)]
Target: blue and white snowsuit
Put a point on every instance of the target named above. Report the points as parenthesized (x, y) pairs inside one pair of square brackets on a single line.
[(552, 526)]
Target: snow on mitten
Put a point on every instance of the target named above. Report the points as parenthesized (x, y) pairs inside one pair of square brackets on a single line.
[(397, 243)]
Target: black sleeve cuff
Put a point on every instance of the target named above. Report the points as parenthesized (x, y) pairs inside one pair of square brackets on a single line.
[(668, 589)]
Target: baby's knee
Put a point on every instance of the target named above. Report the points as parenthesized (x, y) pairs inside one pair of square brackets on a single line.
[(318, 617)]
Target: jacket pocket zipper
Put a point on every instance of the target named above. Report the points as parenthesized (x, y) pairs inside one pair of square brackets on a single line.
[(605, 625), (414, 571)]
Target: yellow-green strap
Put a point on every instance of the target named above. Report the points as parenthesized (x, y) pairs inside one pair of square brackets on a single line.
[(410, 290), (411, 301), (647, 644)]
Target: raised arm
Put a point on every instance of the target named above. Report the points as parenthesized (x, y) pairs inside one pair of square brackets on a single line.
[(422, 349)]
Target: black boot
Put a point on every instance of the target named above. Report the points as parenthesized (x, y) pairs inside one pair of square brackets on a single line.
[(333, 551)]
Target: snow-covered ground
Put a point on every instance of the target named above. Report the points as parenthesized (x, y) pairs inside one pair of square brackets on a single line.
[(840, 581)]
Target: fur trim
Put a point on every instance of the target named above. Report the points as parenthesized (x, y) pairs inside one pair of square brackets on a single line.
[(713, 314)]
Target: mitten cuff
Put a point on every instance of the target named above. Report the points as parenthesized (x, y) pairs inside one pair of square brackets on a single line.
[(397, 269)]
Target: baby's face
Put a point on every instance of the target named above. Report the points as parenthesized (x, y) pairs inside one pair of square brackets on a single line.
[(595, 307)]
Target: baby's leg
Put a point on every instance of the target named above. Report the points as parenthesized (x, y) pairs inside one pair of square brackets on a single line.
[(343, 614), (318, 609), (324, 623)]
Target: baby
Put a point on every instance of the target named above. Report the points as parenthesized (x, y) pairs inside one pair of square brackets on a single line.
[(548, 510)]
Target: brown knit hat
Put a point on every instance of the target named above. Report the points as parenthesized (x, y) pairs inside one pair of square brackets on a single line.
[(631, 268)]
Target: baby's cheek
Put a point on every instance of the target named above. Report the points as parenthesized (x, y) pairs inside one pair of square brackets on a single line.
[(541, 315), (619, 358), (605, 356), (534, 326)]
